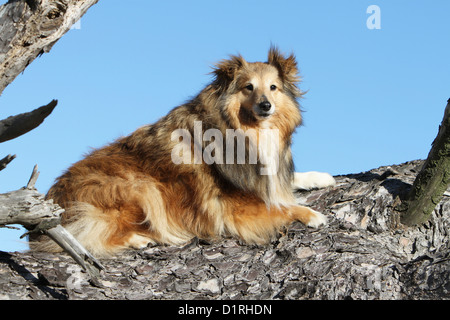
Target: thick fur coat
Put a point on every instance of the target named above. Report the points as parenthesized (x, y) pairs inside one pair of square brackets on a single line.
[(174, 180)]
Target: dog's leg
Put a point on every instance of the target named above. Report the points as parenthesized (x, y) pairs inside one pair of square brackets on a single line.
[(307, 216), (312, 180), (254, 222)]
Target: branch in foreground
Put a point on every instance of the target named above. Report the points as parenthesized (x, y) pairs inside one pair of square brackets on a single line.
[(15, 126), (432, 181)]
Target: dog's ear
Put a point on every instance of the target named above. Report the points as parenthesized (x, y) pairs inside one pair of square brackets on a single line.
[(287, 67), (225, 70)]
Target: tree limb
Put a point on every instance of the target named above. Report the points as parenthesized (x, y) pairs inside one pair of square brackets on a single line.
[(6, 160), (15, 126), (26, 207), (30, 28), (432, 181), (83, 257)]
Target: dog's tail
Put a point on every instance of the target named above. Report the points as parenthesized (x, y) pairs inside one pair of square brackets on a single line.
[(88, 225)]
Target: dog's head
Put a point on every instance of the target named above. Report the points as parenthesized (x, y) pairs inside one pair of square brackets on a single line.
[(258, 91)]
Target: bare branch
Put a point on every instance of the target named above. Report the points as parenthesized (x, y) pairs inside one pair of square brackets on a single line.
[(26, 207), (15, 126), (6, 160), (66, 241)]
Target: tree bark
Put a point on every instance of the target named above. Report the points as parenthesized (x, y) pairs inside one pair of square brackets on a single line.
[(433, 179), (30, 28), (363, 253)]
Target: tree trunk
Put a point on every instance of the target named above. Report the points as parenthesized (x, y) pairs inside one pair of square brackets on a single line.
[(433, 179), (364, 253)]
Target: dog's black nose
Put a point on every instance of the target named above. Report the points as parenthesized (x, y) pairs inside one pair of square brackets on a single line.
[(265, 106)]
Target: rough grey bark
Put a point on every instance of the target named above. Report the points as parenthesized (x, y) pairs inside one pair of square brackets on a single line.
[(364, 253), (432, 181), (26, 207), (30, 28)]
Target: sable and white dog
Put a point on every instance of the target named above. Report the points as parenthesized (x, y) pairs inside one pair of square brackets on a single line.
[(217, 166)]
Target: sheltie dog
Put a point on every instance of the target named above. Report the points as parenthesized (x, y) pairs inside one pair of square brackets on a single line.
[(217, 166)]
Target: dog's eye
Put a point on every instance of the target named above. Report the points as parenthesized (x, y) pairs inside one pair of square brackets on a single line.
[(273, 87), (249, 87)]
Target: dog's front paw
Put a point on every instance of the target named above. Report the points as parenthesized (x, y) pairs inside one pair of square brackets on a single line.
[(317, 220), (312, 180)]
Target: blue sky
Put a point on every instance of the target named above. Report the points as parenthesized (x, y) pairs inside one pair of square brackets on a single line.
[(375, 96)]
